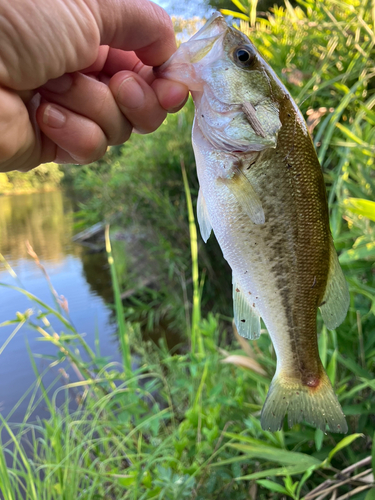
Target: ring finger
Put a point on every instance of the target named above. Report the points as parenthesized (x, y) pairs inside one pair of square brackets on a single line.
[(77, 138)]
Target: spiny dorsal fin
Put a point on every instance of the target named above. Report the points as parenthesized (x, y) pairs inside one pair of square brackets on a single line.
[(335, 304), (203, 218), (246, 318)]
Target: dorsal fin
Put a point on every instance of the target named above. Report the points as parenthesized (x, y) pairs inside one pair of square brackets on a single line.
[(246, 318), (335, 304)]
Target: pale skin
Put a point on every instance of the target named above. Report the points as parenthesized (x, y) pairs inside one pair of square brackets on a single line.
[(76, 76)]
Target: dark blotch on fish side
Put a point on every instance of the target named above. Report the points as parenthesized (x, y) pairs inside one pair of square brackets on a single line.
[(312, 382)]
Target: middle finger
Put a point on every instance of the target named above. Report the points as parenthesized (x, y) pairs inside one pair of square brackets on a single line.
[(92, 99), (138, 101)]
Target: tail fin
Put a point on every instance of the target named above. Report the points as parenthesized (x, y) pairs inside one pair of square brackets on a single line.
[(316, 405)]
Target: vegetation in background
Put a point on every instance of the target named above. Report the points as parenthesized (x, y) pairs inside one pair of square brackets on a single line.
[(186, 423), (178, 426), (43, 178)]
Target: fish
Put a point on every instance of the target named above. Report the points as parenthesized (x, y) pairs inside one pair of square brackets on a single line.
[(262, 193)]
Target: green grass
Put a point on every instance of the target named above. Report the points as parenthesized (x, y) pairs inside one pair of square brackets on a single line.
[(185, 424), (181, 425)]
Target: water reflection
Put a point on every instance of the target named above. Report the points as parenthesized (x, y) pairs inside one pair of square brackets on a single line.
[(46, 221)]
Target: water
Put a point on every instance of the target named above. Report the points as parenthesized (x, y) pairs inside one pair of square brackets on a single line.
[(46, 221), (186, 9)]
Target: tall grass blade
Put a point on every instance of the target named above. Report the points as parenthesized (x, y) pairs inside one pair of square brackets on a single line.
[(123, 332), (196, 336)]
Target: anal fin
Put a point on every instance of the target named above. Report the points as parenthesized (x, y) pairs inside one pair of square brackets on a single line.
[(246, 318), (335, 304), (203, 217)]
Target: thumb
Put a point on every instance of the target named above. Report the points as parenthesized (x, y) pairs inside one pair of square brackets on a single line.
[(137, 25)]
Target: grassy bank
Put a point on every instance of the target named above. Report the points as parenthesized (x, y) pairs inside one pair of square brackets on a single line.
[(185, 422), (181, 425)]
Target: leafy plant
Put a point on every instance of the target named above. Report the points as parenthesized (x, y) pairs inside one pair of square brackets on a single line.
[(186, 421)]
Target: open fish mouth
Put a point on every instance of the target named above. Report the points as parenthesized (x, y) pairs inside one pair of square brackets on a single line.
[(183, 66), (215, 26)]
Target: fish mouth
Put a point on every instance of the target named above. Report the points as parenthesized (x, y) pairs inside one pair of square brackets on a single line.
[(215, 26), (181, 66)]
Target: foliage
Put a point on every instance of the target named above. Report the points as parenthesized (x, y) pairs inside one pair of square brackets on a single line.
[(43, 178), (182, 425), (260, 5), (185, 424)]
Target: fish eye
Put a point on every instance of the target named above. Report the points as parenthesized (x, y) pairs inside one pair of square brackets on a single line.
[(244, 56)]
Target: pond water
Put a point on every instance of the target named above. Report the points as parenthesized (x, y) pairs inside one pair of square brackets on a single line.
[(46, 221)]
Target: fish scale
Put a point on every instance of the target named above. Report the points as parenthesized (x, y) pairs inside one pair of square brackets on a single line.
[(262, 193)]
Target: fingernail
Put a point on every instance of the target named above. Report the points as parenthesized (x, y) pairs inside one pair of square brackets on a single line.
[(59, 85), (130, 94), (53, 117)]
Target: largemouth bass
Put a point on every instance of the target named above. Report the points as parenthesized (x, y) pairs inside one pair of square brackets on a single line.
[(262, 192)]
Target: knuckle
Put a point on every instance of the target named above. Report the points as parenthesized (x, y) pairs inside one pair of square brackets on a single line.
[(14, 134), (92, 149), (121, 137), (150, 126), (118, 132), (114, 125), (103, 97), (8, 150), (164, 19)]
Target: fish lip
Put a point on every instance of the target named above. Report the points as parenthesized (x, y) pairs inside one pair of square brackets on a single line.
[(215, 27), (157, 70)]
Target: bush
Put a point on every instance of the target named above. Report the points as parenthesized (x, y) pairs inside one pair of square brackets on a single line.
[(185, 423), (43, 178)]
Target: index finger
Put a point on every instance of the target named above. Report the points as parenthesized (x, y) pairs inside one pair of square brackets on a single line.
[(136, 25)]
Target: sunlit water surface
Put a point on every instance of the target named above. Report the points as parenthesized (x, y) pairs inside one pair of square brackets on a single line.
[(46, 221)]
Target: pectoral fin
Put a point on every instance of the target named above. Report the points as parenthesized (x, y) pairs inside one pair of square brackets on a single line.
[(246, 318), (203, 218), (241, 188), (335, 304)]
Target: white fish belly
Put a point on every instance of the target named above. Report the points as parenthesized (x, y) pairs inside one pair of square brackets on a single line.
[(262, 257)]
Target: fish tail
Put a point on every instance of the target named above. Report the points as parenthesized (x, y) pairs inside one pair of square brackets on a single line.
[(316, 405)]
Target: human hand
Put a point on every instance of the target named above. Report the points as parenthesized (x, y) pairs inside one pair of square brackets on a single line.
[(76, 77)]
